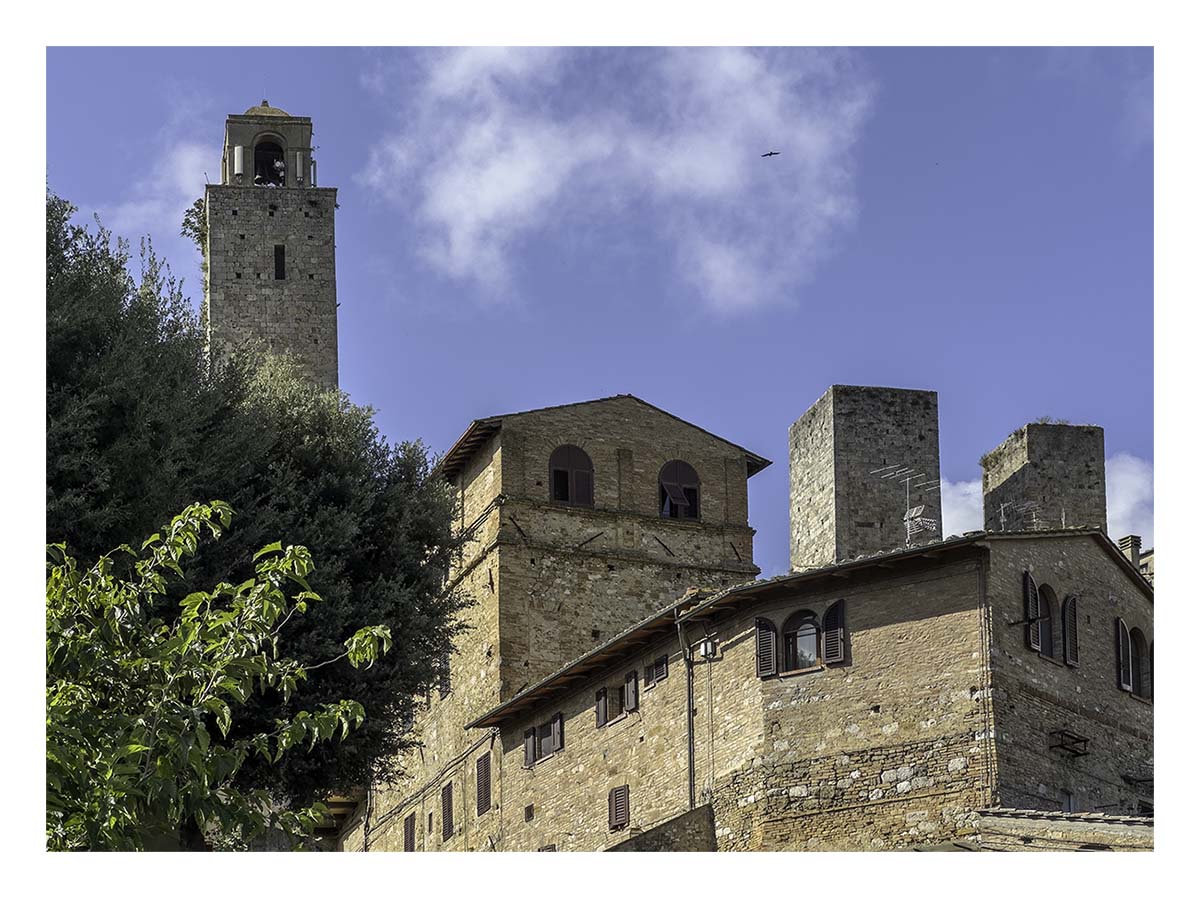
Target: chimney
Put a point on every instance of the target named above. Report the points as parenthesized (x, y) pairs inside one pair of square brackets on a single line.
[(1131, 548), (864, 474)]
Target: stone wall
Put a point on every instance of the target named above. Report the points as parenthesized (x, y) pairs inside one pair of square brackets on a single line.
[(1037, 695), (842, 505), (692, 831), (1046, 476), (246, 303)]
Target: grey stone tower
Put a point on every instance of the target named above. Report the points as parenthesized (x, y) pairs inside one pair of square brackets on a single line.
[(865, 474), (1046, 476), (270, 246)]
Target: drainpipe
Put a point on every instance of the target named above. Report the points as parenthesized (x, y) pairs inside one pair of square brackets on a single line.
[(691, 723)]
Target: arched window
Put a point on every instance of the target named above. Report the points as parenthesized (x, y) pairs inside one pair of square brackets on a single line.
[(570, 476), (1139, 663), (678, 491), (1124, 673), (1070, 630), (269, 167), (801, 642)]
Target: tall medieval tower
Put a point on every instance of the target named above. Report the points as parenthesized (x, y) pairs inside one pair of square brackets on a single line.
[(269, 245)]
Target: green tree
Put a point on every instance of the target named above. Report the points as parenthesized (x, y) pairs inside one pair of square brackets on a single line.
[(139, 709), (138, 426)]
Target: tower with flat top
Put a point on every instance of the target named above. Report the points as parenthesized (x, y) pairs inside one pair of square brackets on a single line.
[(269, 245)]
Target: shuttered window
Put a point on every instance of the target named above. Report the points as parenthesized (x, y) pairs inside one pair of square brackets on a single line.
[(618, 808), (1070, 630), (601, 708), (443, 670), (447, 811), (616, 703), (1124, 670), (410, 832), (631, 691), (656, 671), (834, 634), (543, 740), (678, 491), (483, 784), (766, 661), (1033, 606)]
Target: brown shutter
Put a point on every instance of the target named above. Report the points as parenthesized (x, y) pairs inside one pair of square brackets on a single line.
[(660, 668), (631, 691), (410, 832), (1124, 670), (1033, 606), (530, 746), (1070, 631), (834, 633), (766, 662), (583, 488), (601, 708), (483, 785), (447, 811), (618, 808), (556, 732)]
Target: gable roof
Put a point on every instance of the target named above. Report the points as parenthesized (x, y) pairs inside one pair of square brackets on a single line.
[(482, 429), (696, 604)]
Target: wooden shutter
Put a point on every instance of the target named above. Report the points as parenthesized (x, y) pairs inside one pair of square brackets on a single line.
[(660, 668), (1124, 669), (618, 808), (410, 832), (631, 691), (483, 785), (601, 708), (583, 488), (447, 811), (1033, 606), (556, 732), (530, 746), (834, 633), (1070, 631), (765, 656)]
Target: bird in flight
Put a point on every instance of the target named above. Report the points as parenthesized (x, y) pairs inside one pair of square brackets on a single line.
[(772, 153)]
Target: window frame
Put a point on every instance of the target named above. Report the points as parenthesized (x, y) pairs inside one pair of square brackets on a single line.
[(555, 739), (794, 623), (679, 487), (574, 462)]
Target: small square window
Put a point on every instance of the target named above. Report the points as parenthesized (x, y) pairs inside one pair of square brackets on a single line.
[(234, 211), (310, 277), (241, 236), (528, 813), (238, 275), (306, 215)]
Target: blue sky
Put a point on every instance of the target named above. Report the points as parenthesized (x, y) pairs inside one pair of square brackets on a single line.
[(531, 227)]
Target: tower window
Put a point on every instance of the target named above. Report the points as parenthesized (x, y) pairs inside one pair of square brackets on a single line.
[(280, 267), (234, 211), (570, 476)]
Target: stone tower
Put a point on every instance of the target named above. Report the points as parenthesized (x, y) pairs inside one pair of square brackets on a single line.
[(270, 247), (1046, 476), (864, 473)]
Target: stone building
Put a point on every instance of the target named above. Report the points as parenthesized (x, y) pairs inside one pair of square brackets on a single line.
[(269, 249), (625, 686), (624, 682)]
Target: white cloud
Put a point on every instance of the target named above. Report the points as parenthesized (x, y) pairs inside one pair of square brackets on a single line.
[(1129, 482), (962, 506), (501, 146), (156, 203)]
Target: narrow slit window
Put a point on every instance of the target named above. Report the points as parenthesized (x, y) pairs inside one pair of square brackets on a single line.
[(280, 262)]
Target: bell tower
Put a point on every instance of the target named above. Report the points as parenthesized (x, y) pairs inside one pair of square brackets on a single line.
[(269, 246)]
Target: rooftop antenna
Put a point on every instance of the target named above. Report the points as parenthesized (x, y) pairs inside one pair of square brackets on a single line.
[(917, 485)]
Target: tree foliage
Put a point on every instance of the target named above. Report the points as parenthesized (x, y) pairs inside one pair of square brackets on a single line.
[(139, 426), (140, 708)]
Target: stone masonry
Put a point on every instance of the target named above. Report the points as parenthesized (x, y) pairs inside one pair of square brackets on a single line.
[(1046, 476), (864, 466)]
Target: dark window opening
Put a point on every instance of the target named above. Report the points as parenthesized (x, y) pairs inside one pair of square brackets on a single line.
[(679, 491), (280, 266), (234, 211), (1139, 666), (543, 740), (571, 476), (238, 275), (801, 642), (269, 167), (528, 813)]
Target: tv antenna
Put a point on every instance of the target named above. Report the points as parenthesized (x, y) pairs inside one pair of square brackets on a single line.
[(917, 486)]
